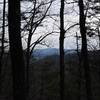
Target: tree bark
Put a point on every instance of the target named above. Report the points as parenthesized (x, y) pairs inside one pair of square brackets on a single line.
[(61, 48), (18, 66), (84, 51), (2, 44), (79, 67)]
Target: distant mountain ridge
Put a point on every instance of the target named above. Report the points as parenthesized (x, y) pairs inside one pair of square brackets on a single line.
[(42, 53)]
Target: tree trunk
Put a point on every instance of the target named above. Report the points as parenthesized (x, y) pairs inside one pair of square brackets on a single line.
[(99, 36), (84, 51), (79, 68), (18, 66), (2, 39), (2, 44), (62, 66)]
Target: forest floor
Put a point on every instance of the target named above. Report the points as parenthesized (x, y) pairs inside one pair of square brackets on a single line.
[(44, 78)]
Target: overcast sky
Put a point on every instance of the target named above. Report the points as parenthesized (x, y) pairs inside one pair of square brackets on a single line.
[(52, 24)]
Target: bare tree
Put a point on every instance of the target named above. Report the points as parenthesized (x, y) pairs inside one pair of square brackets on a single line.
[(18, 66), (3, 34), (79, 67), (2, 44), (84, 51), (33, 22), (61, 48)]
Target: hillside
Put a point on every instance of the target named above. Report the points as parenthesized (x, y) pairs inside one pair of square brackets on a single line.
[(49, 68), (42, 53)]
